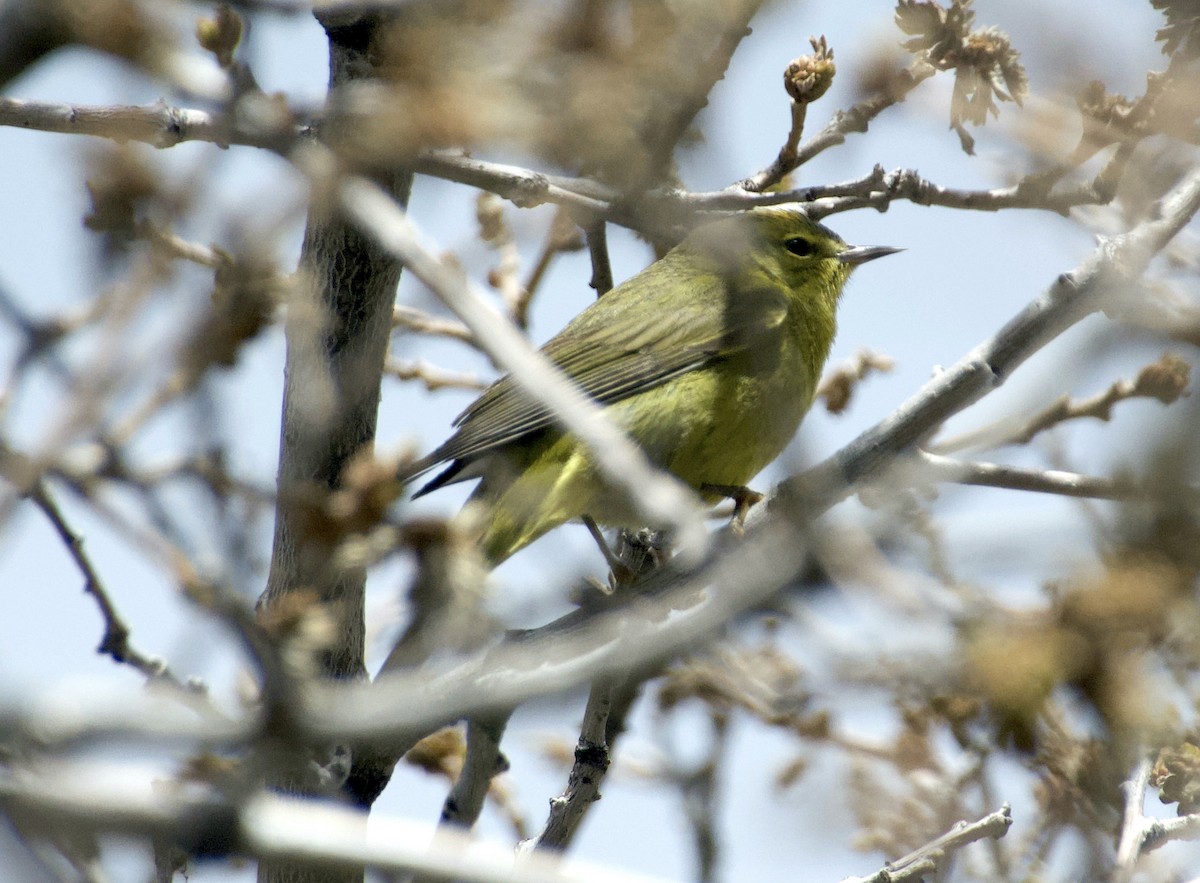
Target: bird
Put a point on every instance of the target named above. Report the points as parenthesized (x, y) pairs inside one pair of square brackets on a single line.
[(708, 358)]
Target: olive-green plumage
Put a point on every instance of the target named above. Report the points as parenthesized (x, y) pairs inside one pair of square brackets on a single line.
[(708, 358)]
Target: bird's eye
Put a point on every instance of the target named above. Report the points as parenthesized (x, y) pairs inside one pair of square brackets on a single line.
[(799, 246)]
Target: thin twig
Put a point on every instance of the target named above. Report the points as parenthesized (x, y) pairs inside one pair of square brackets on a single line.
[(1165, 380), (1043, 481), (859, 117), (481, 763), (563, 235), (597, 243), (494, 230), (431, 376), (934, 854), (788, 157), (592, 759), (115, 642), (412, 319), (164, 126)]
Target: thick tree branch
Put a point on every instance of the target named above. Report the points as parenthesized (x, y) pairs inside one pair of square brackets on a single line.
[(318, 839), (337, 343)]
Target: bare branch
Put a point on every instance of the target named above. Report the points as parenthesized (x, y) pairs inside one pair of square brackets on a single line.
[(412, 319), (115, 642), (597, 243), (309, 834), (920, 863), (1133, 822), (1048, 481), (431, 376), (481, 764), (859, 117), (1140, 834), (1165, 380), (165, 126), (592, 759), (159, 124)]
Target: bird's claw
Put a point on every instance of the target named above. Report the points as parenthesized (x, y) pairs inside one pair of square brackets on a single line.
[(744, 499)]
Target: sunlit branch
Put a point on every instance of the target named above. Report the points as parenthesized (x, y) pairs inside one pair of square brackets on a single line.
[(1141, 834), (1165, 380), (1044, 481), (412, 319), (930, 858), (1134, 824), (432, 377), (264, 826)]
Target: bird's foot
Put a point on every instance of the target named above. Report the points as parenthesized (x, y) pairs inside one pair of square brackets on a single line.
[(620, 573), (637, 553), (743, 499), (642, 551)]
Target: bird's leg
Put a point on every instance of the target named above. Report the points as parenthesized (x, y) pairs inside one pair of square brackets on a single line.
[(620, 571), (743, 500)]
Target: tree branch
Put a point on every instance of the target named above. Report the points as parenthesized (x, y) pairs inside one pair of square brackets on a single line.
[(164, 126), (115, 642), (312, 837), (931, 857), (1048, 481), (1165, 380)]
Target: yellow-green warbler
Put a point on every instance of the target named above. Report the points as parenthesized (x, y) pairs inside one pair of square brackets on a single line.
[(708, 359)]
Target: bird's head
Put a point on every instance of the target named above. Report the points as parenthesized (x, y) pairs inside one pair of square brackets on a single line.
[(781, 246)]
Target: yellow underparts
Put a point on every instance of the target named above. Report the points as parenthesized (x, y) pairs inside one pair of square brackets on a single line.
[(718, 427)]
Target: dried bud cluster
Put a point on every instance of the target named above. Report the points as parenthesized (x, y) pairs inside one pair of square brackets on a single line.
[(809, 77), (987, 68), (1177, 776)]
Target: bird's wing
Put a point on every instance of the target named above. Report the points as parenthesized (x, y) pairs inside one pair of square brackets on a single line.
[(643, 348)]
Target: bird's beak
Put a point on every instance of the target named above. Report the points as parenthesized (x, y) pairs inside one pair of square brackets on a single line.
[(860, 254)]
